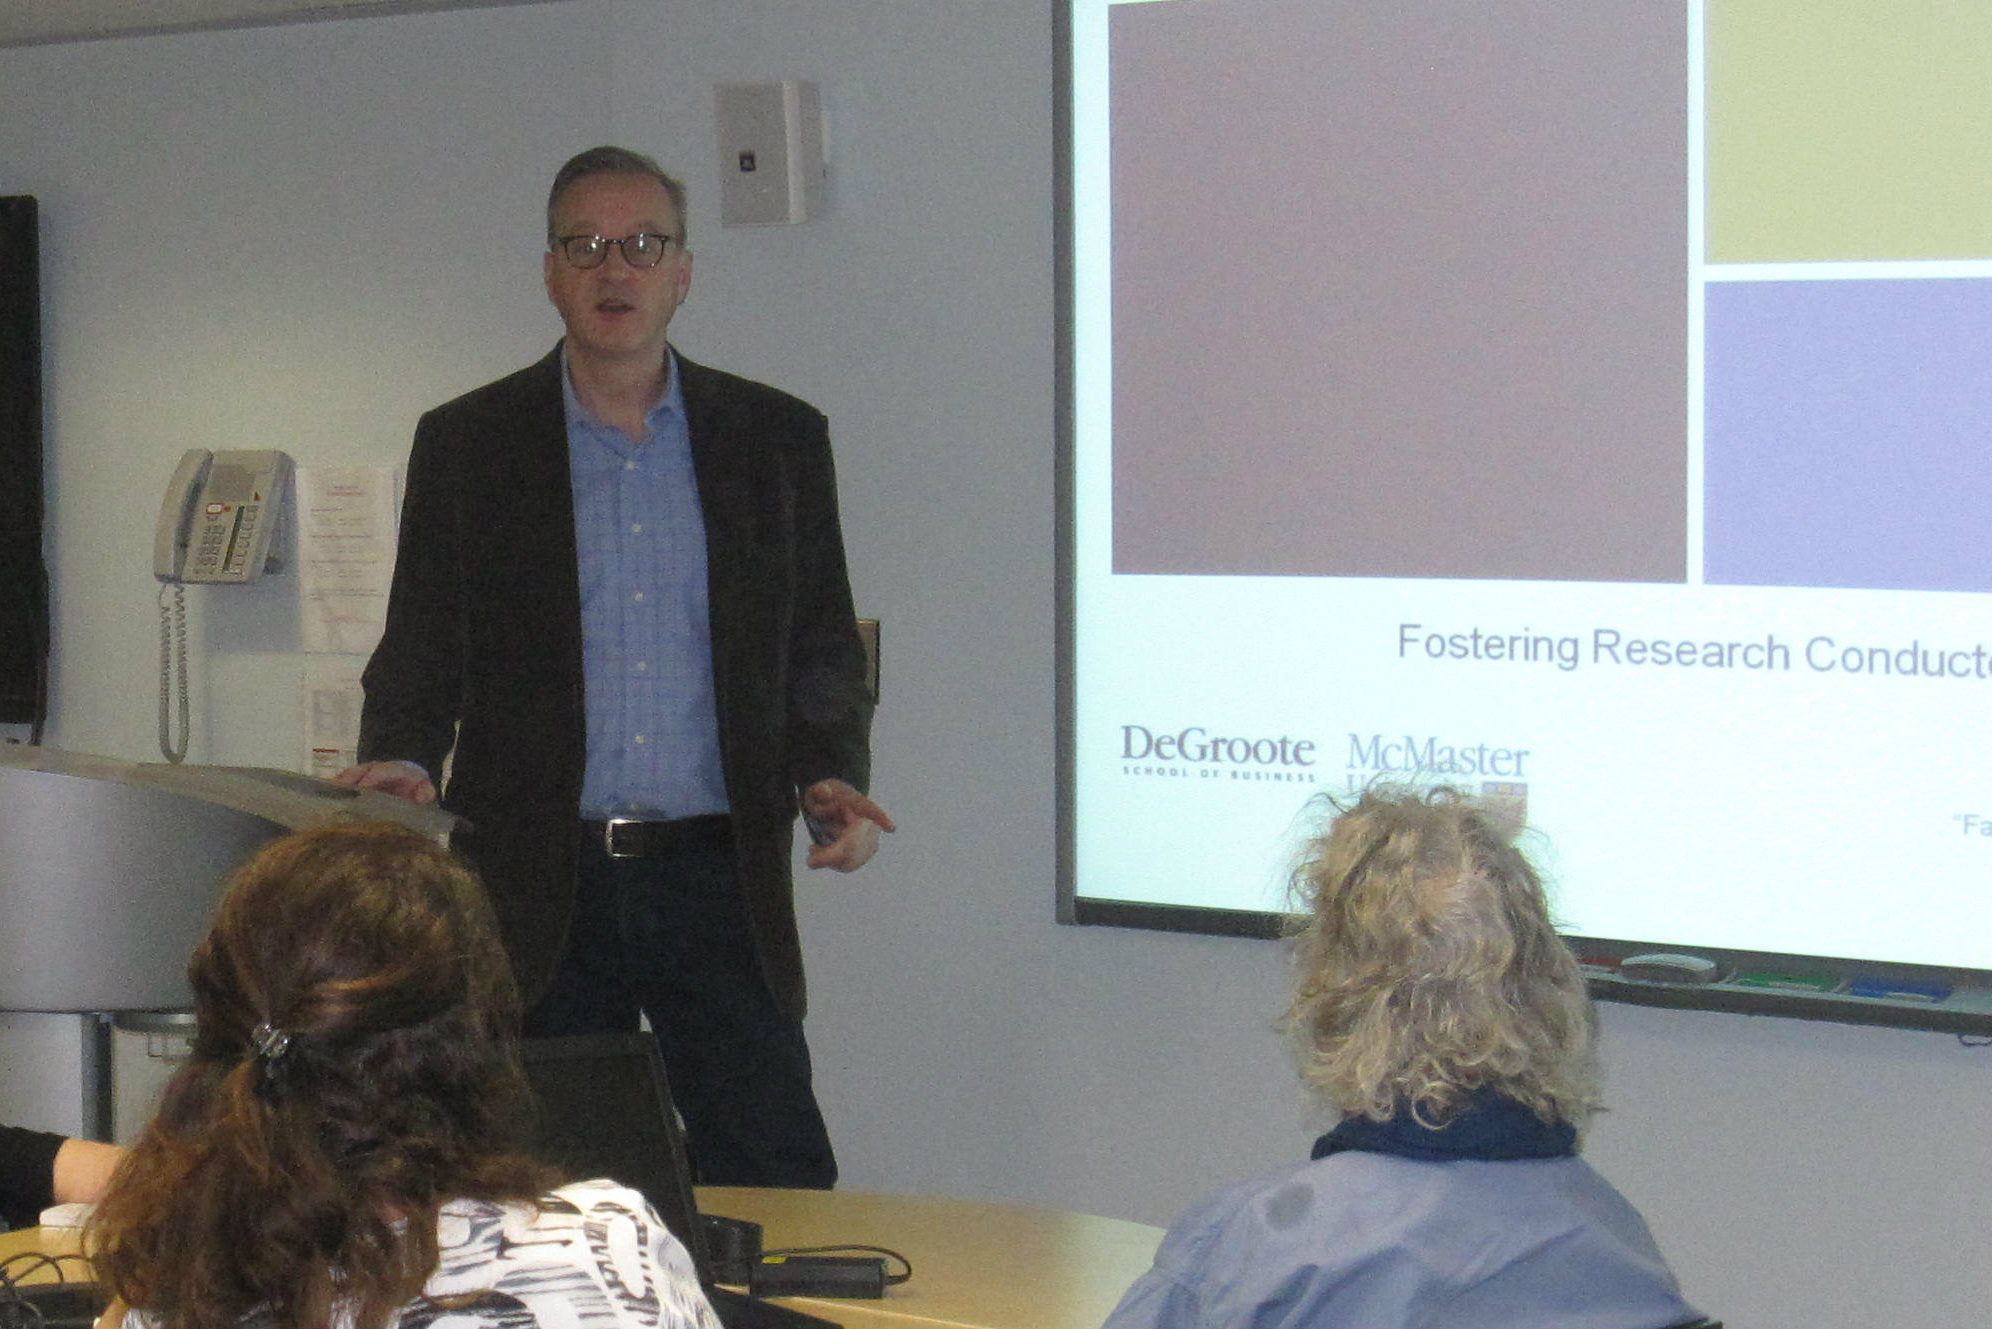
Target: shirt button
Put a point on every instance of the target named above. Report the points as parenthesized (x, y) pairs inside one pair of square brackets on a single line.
[(629, 466), (642, 665), (636, 528), (639, 739), (639, 595)]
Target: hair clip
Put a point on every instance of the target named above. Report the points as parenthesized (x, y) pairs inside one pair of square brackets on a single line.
[(271, 1043)]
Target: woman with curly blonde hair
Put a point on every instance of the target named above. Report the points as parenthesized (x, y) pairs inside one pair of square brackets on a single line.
[(342, 1149), (1438, 1013)]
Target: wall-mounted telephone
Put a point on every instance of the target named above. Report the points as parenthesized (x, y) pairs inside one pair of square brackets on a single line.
[(222, 518), (223, 522)]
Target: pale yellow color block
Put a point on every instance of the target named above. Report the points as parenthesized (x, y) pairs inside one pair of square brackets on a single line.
[(1849, 130)]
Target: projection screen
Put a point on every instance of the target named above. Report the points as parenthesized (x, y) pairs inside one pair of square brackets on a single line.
[(1585, 406)]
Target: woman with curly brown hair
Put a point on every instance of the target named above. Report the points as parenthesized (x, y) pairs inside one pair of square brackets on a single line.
[(1438, 1013), (342, 1150)]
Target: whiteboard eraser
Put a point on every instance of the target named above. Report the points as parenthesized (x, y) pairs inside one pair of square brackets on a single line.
[(1665, 967)]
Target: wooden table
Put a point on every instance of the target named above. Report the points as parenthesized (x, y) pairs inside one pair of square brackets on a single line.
[(18, 1249), (976, 1265), (47, 1241)]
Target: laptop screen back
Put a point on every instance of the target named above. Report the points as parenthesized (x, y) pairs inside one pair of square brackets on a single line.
[(605, 1111)]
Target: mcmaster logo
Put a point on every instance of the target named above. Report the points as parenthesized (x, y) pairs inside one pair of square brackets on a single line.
[(1197, 752), (1433, 756)]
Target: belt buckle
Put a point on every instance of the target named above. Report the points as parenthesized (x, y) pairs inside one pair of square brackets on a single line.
[(609, 837)]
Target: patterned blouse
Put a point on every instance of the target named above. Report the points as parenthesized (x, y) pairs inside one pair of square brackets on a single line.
[(592, 1255)]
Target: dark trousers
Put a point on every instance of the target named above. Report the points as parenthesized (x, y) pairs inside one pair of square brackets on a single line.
[(666, 935)]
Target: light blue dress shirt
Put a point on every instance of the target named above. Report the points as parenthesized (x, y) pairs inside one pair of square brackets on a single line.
[(646, 637)]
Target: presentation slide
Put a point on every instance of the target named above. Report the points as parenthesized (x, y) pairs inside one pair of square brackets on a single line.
[(1585, 406)]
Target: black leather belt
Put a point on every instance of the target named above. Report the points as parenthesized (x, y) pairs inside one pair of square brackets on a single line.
[(621, 837)]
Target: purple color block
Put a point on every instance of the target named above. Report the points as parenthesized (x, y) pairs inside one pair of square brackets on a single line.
[(1846, 434)]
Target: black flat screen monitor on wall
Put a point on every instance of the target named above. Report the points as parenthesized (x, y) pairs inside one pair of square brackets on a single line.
[(23, 582), (1581, 405)]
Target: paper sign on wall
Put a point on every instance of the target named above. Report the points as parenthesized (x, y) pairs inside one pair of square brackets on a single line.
[(346, 534)]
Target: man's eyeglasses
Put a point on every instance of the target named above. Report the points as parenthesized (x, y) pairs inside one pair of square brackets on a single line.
[(642, 250)]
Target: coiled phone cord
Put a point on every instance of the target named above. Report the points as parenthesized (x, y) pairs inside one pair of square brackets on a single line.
[(173, 650)]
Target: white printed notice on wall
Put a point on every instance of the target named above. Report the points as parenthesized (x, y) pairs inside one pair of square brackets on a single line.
[(329, 715), (346, 533)]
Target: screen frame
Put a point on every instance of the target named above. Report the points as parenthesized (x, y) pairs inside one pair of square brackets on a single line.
[(1965, 1011), (24, 595)]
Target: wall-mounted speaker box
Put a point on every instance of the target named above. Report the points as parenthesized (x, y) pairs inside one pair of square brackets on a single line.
[(771, 152)]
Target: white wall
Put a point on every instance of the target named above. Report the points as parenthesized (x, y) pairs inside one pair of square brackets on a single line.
[(302, 236)]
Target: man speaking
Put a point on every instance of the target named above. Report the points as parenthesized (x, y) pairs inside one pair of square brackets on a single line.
[(620, 609)]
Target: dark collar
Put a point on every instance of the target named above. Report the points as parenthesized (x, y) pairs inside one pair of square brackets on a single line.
[(1491, 1126)]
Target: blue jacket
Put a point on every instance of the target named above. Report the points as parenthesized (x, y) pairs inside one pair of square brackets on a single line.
[(1370, 1241)]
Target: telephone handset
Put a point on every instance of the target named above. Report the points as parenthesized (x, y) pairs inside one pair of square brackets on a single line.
[(222, 522), (222, 517)]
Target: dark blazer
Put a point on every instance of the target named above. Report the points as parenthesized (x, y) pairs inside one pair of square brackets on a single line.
[(482, 652)]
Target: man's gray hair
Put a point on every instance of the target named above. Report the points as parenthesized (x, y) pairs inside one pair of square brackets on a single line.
[(607, 160)]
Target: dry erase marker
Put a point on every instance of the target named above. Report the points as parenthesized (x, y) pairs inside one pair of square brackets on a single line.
[(1787, 982), (1896, 989)]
